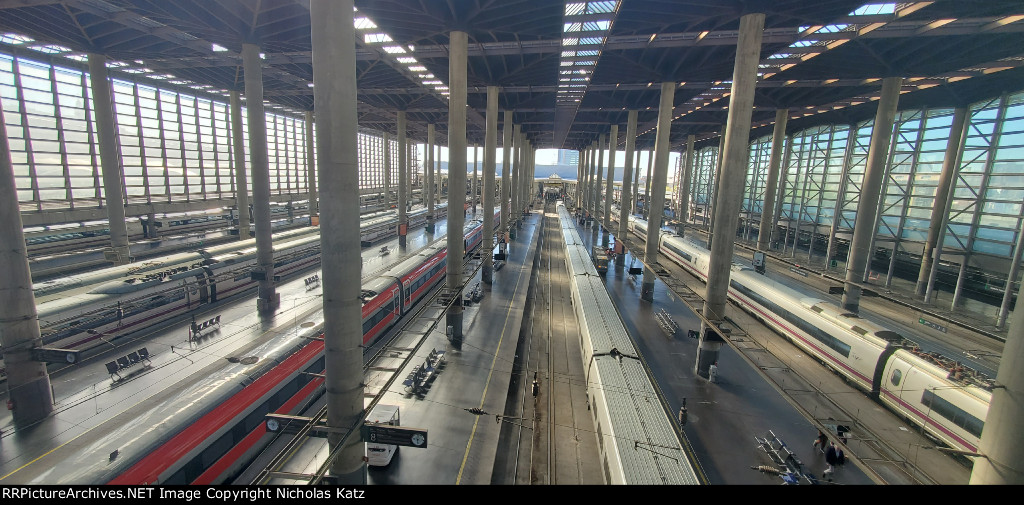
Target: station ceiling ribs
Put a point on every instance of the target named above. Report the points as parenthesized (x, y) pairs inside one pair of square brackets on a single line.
[(823, 60)]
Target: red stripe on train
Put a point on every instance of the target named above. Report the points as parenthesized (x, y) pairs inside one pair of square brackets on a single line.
[(151, 467)]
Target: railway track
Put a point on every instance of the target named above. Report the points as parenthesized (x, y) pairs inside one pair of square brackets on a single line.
[(880, 460), (381, 368)]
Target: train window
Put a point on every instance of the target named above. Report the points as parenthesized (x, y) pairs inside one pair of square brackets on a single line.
[(217, 449), (897, 374), (951, 412)]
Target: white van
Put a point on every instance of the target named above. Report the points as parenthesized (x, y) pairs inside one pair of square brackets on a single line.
[(381, 454)]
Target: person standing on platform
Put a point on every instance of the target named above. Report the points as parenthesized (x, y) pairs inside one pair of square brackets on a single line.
[(831, 458), (821, 441)]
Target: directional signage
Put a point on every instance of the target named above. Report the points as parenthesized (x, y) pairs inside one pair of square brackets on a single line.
[(52, 355), (932, 325), (394, 435)]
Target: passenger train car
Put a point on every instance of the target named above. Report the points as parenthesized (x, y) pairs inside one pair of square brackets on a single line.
[(948, 400), (158, 442), (117, 304), (370, 231), (619, 389), (54, 239), (374, 226)]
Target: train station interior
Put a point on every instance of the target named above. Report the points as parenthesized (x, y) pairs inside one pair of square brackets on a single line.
[(518, 242)]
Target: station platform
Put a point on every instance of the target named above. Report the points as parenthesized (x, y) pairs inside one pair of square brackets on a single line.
[(462, 446), (94, 414), (723, 417)]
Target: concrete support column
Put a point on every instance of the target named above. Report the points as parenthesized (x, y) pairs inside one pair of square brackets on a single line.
[(311, 179), (474, 186), (940, 206), (636, 181), (657, 198), (457, 81), (627, 185), (585, 184), (28, 384), (334, 73), (593, 199), (490, 154), (403, 181), (267, 299), (715, 185), (598, 178), (863, 229), (238, 157), (1001, 445), (386, 141), (613, 140), (506, 173), (767, 226), (576, 192), (647, 183), (1011, 279), (517, 152), (428, 178), (730, 196), (438, 178), (530, 181), (684, 192), (524, 180), (110, 162)]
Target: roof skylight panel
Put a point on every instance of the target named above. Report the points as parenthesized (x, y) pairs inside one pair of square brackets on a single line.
[(574, 8), (363, 23), (15, 39), (872, 9), (376, 38), (602, 6), (51, 49)]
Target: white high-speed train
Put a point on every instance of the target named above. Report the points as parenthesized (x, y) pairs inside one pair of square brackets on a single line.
[(619, 390), (949, 400), (372, 228), (44, 240)]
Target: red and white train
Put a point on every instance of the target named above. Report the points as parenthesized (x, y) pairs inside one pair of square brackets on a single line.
[(223, 426)]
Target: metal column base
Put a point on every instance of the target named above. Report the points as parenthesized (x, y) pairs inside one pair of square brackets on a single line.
[(263, 304), (118, 255), (707, 355), (455, 324), (647, 291), (33, 402)]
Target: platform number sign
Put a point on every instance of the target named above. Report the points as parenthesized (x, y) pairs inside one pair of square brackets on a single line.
[(394, 435)]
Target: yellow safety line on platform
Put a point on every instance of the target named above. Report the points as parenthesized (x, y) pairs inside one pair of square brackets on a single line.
[(47, 453), (469, 443)]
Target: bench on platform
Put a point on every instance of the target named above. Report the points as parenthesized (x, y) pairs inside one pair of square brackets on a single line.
[(197, 329), (423, 374), (130, 360)]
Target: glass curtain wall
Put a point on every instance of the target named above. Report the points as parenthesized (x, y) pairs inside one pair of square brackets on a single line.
[(174, 145)]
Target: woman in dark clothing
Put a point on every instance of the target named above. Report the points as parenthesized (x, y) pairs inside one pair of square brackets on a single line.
[(831, 457), (822, 440)]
